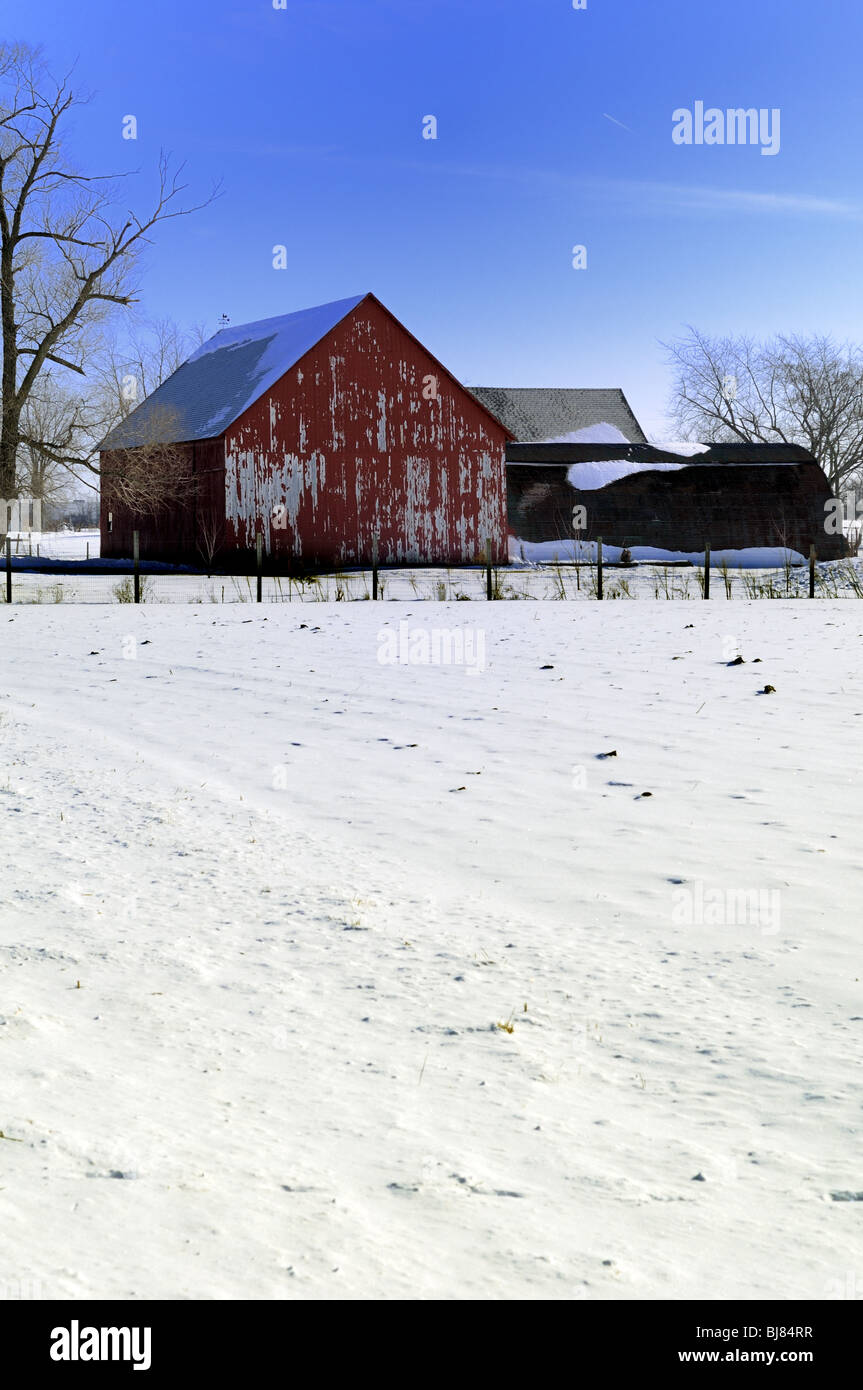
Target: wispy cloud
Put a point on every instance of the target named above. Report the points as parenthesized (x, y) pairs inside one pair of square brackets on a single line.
[(648, 196), (652, 195), (699, 198)]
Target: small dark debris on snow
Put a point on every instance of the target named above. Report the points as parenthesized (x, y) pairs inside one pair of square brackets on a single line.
[(699, 1177), (638, 798), (612, 754), (546, 668), (738, 661), (768, 690), (846, 1196)]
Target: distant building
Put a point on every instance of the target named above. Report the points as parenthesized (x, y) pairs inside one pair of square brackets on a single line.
[(321, 430)]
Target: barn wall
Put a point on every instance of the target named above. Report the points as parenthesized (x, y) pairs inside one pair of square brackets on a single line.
[(734, 507), (345, 446), (178, 534)]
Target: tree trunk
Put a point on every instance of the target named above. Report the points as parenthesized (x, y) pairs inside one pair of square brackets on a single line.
[(9, 421), (8, 485)]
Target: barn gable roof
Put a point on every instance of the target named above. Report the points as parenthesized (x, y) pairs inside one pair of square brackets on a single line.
[(548, 412), (227, 374)]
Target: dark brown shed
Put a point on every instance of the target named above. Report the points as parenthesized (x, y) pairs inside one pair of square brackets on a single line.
[(735, 496)]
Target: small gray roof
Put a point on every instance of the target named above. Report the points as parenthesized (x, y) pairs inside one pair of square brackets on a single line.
[(549, 412), (227, 374)]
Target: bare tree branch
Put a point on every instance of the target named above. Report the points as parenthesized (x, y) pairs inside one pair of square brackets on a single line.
[(68, 253), (789, 390)]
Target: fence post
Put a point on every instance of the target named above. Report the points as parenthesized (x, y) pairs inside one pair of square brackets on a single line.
[(599, 567), (136, 564), (375, 565), (8, 569), (488, 584), (259, 564), (707, 569), (812, 571)]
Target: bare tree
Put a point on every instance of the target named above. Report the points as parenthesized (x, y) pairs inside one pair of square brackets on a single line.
[(68, 254), (123, 372), (787, 390), (211, 525), (46, 415), (154, 475)]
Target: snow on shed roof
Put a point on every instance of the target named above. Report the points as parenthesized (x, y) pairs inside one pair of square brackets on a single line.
[(225, 375), (651, 455)]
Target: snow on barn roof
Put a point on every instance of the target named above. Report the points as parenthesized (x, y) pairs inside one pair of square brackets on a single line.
[(227, 374), (593, 464), (552, 412)]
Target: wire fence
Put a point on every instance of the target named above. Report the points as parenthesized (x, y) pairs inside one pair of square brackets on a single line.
[(63, 567), (562, 582)]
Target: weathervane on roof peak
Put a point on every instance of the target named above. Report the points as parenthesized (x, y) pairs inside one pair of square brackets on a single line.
[(223, 321)]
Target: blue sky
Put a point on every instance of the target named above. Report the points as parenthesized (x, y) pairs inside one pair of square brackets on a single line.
[(554, 129)]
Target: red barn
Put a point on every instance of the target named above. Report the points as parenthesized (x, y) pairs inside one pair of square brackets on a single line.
[(320, 429)]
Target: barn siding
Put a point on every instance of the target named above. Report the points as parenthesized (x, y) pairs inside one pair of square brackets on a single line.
[(347, 447), (175, 535)]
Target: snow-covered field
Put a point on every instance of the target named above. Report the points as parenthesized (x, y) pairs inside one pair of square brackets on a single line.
[(285, 1016), (57, 545)]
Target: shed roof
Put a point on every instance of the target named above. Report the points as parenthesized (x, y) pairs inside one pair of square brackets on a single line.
[(548, 412)]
